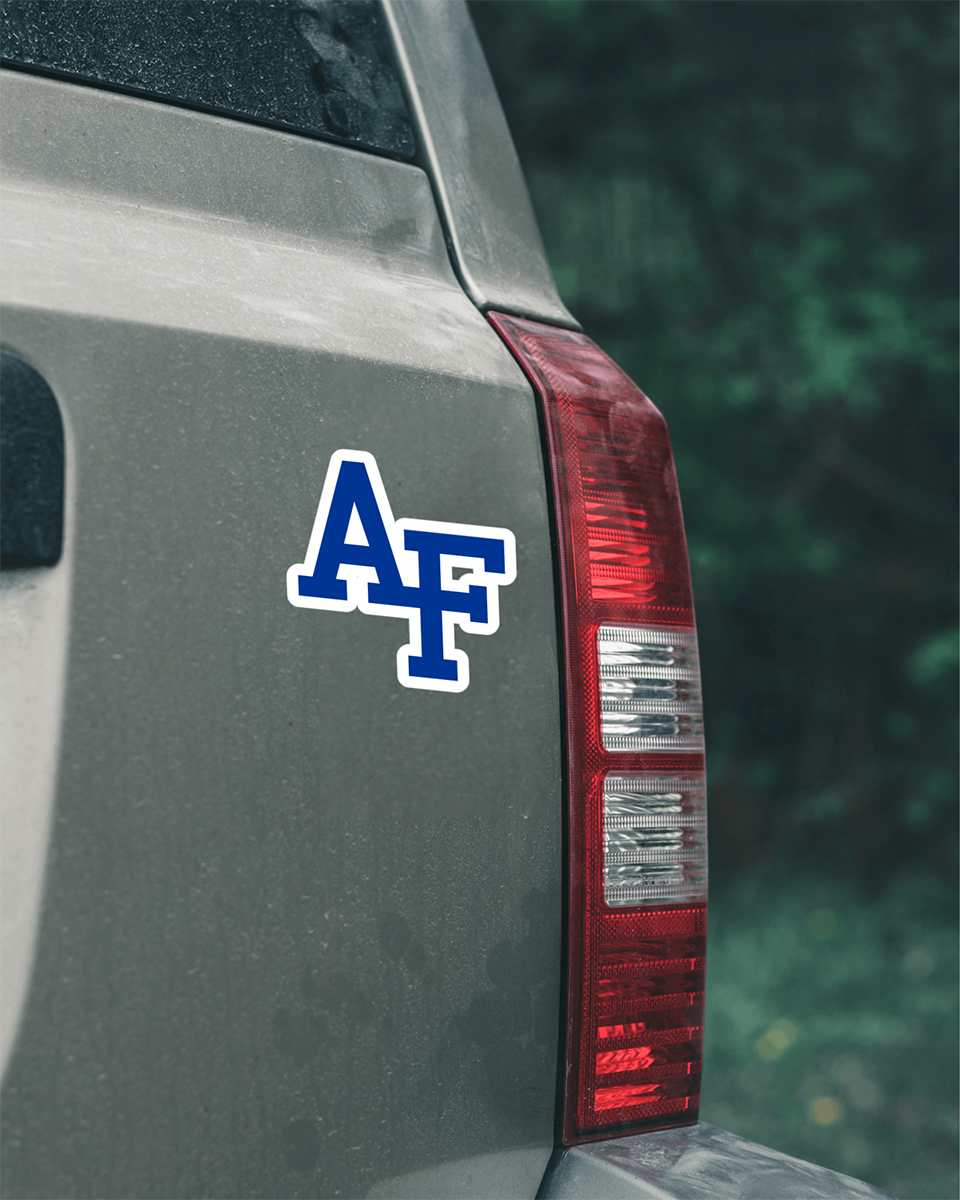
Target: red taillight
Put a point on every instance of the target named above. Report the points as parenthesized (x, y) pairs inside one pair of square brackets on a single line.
[(635, 766)]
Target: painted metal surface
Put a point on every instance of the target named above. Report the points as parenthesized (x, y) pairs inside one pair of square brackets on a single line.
[(300, 929), (34, 626), (699, 1162), (468, 152)]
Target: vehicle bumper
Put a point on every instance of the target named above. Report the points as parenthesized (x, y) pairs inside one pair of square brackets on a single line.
[(690, 1163)]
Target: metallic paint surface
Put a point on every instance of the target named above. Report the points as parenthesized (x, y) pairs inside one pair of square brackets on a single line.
[(470, 156), (512, 1173), (698, 1162), (300, 931), (34, 616)]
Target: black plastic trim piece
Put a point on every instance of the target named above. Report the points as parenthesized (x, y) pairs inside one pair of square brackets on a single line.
[(31, 467)]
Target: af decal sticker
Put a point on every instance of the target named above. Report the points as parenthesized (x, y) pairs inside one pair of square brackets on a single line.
[(360, 557)]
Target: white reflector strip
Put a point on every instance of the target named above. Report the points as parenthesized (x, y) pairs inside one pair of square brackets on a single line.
[(649, 689), (654, 840)]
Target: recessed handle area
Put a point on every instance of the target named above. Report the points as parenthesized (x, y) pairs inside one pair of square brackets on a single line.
[(31, 467)]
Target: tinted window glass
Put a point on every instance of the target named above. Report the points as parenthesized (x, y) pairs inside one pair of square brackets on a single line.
[(322, 67)]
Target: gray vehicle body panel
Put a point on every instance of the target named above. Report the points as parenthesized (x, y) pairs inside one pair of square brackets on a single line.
[(481, 193), (301, 925)]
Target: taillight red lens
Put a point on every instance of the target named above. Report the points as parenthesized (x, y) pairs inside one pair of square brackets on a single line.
[(635, 766)]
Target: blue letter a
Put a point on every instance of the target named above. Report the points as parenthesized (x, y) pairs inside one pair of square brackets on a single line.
[(349, 546)]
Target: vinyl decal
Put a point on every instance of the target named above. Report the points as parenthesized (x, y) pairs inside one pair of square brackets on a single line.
[(359, 557)]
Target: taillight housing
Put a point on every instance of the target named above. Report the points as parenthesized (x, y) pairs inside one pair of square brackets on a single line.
[(635, 764)]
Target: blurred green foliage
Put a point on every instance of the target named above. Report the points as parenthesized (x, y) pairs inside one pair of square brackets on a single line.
[(832, 1028), (752, 207)]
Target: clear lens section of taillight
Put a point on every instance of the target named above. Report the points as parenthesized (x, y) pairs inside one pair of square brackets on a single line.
[(635, 768), (654, 839), (649, 689)]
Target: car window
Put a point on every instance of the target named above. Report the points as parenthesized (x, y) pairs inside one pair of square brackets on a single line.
[(320, 67)]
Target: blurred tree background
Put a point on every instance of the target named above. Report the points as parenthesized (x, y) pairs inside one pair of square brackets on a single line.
[(752, 207)]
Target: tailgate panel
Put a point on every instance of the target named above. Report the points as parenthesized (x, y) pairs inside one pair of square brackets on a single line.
[(301, 925)]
